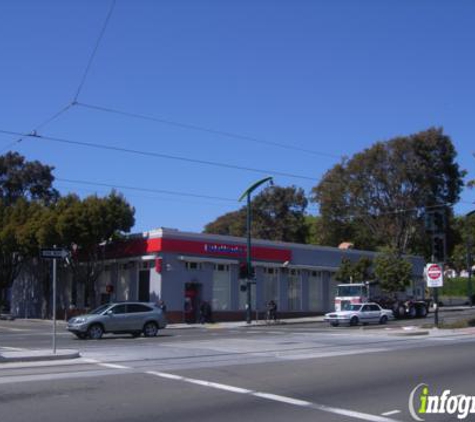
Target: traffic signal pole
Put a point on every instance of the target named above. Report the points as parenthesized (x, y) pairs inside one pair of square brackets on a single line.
[(248, 262)]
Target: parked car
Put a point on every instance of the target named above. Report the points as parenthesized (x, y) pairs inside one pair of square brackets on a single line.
[(364, 313), (124, 317)]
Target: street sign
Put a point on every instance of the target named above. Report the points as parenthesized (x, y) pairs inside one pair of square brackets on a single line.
[(53, 253), (434, 275)]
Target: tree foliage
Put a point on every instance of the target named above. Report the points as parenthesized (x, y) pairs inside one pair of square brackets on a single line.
[(378, 197), (393, 272), (278, 213), (354, 272), (21, 179)]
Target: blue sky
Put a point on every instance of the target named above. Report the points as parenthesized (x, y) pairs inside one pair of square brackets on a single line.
[(324, 76)]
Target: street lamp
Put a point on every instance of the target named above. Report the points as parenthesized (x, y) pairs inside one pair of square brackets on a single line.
[(469, 260), (247, 193)]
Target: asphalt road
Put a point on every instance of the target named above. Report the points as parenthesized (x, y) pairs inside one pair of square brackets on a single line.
[(279, 373)]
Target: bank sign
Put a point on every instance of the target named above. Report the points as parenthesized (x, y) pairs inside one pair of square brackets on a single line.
[(224, 249)]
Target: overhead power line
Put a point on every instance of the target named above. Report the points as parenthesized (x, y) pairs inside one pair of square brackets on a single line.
[(158, 155), (141, 189), (189, 126), (94, 51), (38, 127)]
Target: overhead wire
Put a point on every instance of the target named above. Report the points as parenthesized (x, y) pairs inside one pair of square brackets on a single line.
[(158, 155), (38, 127), (194, 127), (142, 189), (94, 52)]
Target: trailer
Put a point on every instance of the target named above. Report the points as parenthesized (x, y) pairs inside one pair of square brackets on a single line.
[(408, 304)]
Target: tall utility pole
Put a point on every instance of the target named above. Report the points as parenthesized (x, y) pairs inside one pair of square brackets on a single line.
[(469, 259), (249, 272)]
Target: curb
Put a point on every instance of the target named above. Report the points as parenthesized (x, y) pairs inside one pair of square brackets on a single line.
[(38, 355), (410, 333)]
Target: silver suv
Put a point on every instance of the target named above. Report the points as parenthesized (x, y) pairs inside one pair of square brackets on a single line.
[(119, 318)]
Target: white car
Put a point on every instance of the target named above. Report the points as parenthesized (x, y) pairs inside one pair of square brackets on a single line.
[(364, 313)]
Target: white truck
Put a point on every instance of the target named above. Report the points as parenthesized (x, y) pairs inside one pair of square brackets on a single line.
[(408, 304)]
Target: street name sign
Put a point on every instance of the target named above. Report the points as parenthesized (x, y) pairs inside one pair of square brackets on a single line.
[(54, 253), (434, 275)]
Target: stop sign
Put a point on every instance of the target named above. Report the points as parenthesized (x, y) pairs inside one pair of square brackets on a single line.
[(435, 275)]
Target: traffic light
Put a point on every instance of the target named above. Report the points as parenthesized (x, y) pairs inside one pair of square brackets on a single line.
[(439, 221), (243, 273), (438, 248)]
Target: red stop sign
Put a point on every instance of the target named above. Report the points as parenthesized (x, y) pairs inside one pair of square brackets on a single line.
[(434, 272)]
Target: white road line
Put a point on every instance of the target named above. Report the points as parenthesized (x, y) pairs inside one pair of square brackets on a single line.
[(391, 412), (111, 365), (275, 397), (282, 399), (13, 349)]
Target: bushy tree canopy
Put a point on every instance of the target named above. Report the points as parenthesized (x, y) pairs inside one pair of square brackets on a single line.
[(378, 197), (278, 213)]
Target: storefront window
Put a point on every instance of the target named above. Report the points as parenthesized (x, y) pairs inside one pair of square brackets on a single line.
[(221, 288), (314, 290), (271, 285), (295, 290)]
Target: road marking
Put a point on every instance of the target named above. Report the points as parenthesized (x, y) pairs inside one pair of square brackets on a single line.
[(111, 365), (15, 349), (275, 397), (391, 412), (282, 399)]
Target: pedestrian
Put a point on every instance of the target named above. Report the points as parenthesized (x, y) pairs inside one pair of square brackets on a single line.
[(162, 305), (271, 311)]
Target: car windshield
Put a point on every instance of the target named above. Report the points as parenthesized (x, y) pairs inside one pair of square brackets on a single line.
[(350, 291), (353, 308), (100, 309)]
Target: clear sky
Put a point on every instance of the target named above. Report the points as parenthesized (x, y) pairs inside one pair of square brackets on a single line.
[(321, 76)]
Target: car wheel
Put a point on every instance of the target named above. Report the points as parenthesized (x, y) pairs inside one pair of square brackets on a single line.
[(150, 329), (412, 312), (354, 321), (95, 331), (383, 320)]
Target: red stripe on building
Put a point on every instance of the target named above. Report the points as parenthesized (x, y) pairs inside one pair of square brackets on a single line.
[(143, 246)]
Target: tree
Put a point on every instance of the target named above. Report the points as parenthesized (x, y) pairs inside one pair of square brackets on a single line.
[(354, 272), (21, 179), (278, 213), (88, 227), (25, 187), (378, 197), (393, 272)]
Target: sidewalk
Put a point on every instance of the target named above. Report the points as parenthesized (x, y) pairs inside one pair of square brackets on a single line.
[(37, 355)]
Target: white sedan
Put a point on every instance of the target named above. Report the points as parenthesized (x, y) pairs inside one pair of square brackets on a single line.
[(364, 313)]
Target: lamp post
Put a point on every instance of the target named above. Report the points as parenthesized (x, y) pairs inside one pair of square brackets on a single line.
[(469, 260), (247, 193)]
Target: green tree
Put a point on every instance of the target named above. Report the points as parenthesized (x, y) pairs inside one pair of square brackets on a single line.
[(278, 213), (355, 272), (393, 272), (378, 197), (21, 179), (25, 186), (89, 227)]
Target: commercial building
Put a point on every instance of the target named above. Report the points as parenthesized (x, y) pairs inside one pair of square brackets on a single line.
[(186, 269)]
